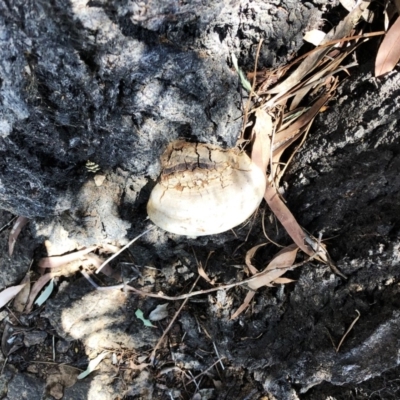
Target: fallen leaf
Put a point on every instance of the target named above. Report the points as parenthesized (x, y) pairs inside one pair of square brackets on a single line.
[(389, 51), (46, 293), (8, 294), (250, 255), (22, 297), (286, 218), (340, 31), (283, 137), (159, 313), (109, 248), (283, 281), (15, 231), (262, 139), (92, 365), (58, 261), (314, 37), (37, 287), (146, 322), (139, 367), (245, 304), (203, 274), (245, 83), (281, 263)]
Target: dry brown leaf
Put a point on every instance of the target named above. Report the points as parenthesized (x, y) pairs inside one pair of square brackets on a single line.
[(283, 281), (262, 142), (37, 287), (250, 255), (286, 218), (15, 231), (203, 274), (389, 51), (8, 294), (281, 263), (109, 248), (22, 297), (281, 138), (139, 367), (245, 304), (58, 261), (95, 260), (340, 31), (317, 78)]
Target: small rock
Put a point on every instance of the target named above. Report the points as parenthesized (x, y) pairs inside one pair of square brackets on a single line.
[(34, 337), (99, 179), (3, 314), (62, 346), (24, 387), (57, 391)]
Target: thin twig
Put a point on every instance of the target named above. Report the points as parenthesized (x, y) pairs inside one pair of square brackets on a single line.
[(153, 353), (56, 363), (8, 309), (202, 373), (265, 234), (97, 287), (4, 365), (8, 224), (216, 352), (54, 349), (222, 287), (124, 248), (246, 111), (348, 330)]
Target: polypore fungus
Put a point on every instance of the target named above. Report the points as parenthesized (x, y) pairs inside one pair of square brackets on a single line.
[(204, 189)]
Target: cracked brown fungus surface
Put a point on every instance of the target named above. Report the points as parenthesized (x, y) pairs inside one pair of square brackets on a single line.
[(204, 189)]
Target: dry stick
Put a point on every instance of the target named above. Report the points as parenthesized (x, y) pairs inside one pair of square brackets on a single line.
[(202, 373), (56, 363), (124, 248), (8, 224), (246, 111), (97, 287), (222, 287), (348, 330), (217, 353), (153, 353), (305, 134), (265, 234), (332, 42), (279, 98), (4, 365)]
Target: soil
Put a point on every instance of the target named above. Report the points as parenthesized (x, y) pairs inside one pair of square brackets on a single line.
[(113, 83)]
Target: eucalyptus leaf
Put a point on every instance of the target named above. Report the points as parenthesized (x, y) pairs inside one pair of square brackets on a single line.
[(245, 83), (45, 294), (146, 322), (92, 365)]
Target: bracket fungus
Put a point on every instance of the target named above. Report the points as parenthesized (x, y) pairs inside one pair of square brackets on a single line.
[(204, 189)]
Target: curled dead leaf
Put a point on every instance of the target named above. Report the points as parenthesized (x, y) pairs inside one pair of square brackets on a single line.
[(250, 255), (15, 231), (389, 51), (58, 261)]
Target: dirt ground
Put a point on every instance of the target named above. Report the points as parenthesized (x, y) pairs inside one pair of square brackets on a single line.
[(113, 84)]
